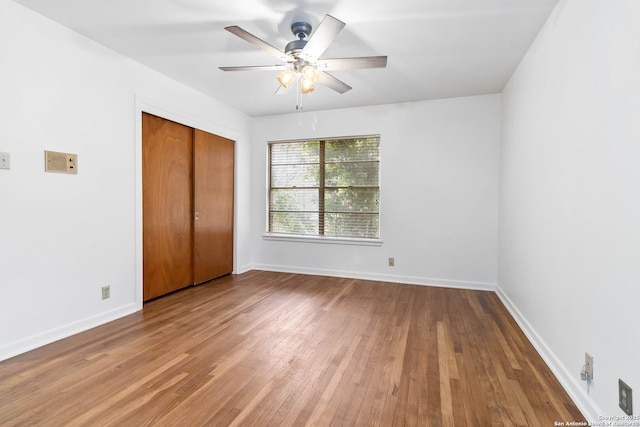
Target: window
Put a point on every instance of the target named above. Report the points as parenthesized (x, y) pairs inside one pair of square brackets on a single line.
[(326, 187)]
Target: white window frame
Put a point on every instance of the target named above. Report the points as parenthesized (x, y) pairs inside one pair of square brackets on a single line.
[(301, 238)]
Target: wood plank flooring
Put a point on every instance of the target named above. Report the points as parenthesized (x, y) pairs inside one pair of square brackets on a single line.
[(278, 349)]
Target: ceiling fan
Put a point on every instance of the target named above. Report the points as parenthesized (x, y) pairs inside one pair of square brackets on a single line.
[(301, 58)]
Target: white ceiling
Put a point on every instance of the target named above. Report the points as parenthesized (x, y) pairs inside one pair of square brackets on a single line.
[(435, 48)]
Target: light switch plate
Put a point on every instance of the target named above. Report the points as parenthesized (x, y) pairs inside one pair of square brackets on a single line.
[(5, 161)]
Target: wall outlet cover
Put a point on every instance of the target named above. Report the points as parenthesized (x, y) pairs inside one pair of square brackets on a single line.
[(588, 365), (625, 397), (5, 161)]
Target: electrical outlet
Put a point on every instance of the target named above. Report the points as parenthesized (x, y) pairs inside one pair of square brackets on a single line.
[(392, 262), (106, 292), (588, 366), (5, 161), (625, 398)]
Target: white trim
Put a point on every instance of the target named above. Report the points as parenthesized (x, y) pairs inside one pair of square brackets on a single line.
[(322, 239), (325, 138), (242, 269), (47, 337), (569, 382), (380, 277)]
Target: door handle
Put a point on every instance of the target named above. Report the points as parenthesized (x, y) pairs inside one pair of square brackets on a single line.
[(197, 215)]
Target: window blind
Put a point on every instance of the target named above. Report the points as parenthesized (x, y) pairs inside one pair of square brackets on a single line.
[(327, 187)]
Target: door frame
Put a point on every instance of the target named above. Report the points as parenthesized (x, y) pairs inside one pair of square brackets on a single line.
[(142, 105)]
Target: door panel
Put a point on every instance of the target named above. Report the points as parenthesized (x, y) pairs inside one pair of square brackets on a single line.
[(167, 165), (213, 204)]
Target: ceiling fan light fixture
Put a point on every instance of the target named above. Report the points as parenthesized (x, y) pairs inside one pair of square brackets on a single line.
[(286, 78), (310, 73), (307, 86)]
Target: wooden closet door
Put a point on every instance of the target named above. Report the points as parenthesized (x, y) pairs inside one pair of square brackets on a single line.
[(213, 204), (167, 165)]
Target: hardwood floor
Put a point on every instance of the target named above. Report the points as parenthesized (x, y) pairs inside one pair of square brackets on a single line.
[(277, 349)]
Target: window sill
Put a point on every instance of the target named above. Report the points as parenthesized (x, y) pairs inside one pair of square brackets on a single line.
[(323, 240)]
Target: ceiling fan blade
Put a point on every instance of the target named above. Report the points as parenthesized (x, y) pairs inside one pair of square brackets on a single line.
[(245, 35), (333, 83), (352, 63), (255, 68), (322, 38)]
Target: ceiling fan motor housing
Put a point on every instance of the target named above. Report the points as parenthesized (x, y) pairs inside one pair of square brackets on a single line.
[(302, 31), (295, 47)]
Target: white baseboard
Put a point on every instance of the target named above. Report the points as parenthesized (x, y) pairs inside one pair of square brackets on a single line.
[(409, 280), (243, 269), (588, 408), (47, 337)]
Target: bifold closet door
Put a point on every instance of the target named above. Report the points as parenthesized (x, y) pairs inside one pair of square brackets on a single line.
[(167, 203), (213, 206)]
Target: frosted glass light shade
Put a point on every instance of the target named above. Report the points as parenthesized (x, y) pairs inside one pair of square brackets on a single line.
[(310, 73), (307, 86), (286, 78)]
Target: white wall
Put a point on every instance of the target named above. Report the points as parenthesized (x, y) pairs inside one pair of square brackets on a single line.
[(570, 197), (62, 236), (439, 192)]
